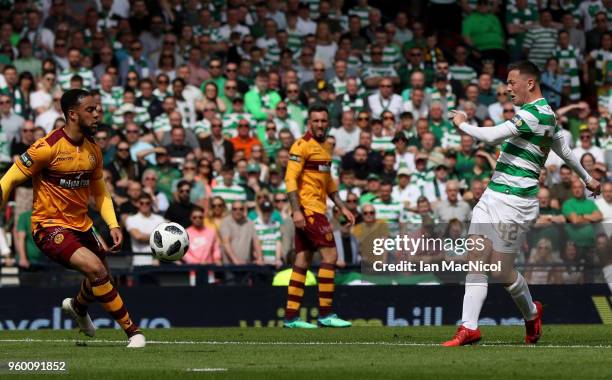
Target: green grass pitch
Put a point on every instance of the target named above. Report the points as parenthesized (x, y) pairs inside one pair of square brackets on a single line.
[(565, 352)]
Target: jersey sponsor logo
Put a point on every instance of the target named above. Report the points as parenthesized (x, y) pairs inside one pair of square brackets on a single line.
[(26, 160), (67, 180), (294, 157), (67, 158)]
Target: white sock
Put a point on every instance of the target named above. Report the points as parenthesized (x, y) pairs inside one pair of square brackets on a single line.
[(522, 298), (607, 271), (475, 294)]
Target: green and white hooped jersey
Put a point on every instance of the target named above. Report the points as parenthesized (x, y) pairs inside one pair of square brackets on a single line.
[(523, 155), (268, 234), (569, 59), (229, 193), (392, 213), (89, 80)]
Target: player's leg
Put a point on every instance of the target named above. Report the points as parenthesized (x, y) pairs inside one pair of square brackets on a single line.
[(80, 303), (295, 290), (476, 288), (83, 299), (85, 261), (476, 285), (326, 276), (516, 285)]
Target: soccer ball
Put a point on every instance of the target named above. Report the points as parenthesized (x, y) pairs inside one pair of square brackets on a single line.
[(169, 242)]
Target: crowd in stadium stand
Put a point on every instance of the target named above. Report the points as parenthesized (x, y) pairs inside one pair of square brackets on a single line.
[(202, 100)]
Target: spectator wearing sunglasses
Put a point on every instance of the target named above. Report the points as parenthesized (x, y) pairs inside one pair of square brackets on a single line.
[(204, 245), (181, 208)]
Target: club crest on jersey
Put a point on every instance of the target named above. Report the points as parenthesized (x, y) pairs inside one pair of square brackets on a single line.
[(92, 160), (517, 120), (26, 160), (294, 157), (58, 239)]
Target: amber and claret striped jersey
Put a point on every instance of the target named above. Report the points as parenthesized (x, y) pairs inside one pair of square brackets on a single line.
[(61, 173), (309, 173)]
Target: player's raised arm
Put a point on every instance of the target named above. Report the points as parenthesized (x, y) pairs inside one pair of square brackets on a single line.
[(492, 135), (294, 171), (562, 149)]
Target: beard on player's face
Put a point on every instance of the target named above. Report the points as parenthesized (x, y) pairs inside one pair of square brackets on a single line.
[(319, 134)]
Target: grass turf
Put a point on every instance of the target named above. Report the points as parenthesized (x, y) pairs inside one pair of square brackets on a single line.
[(578, 351)]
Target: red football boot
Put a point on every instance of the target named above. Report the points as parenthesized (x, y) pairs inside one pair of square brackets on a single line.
[(534, 327), (463, 336)]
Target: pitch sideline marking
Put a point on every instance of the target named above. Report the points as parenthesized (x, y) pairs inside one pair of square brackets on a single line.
[(206, 369), (253, 343)]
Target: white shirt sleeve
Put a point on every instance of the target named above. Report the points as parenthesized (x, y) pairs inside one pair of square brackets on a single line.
[(562, 149), (491, 135)]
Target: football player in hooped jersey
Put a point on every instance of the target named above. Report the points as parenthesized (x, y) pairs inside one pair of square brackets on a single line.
[(309, 183), (66, 168), (509, 204)]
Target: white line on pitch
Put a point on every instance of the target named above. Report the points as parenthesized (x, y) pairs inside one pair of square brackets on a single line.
[(206, 369), (253, 343)]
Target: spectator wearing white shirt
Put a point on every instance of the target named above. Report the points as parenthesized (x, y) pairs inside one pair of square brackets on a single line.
[(417, 105), (232, 26), (47, 118), (347, 136), (403, 157), (140, 227), (586, 146), (385, 100), (604, 204), (453, 207), (305, 25), (405, 192)]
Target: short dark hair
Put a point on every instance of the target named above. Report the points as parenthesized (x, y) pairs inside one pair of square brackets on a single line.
[(317, 108), (182, 183), (179, 80), (71, 99), (196, 208), (526, 68)]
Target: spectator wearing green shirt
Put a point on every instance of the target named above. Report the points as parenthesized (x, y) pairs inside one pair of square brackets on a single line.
[(581, 213), (466, 157), (166, 172), (271, 143), (482, 31), (215, 68), (260, 101), (27, 251)]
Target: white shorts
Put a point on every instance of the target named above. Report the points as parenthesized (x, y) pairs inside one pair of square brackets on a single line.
[(504, 219)]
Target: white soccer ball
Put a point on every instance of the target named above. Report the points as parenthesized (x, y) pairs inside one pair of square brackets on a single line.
[(169, 242)]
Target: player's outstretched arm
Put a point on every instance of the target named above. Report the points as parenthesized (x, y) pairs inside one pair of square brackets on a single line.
[(488, 135), (13, 178), (562, 149)]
